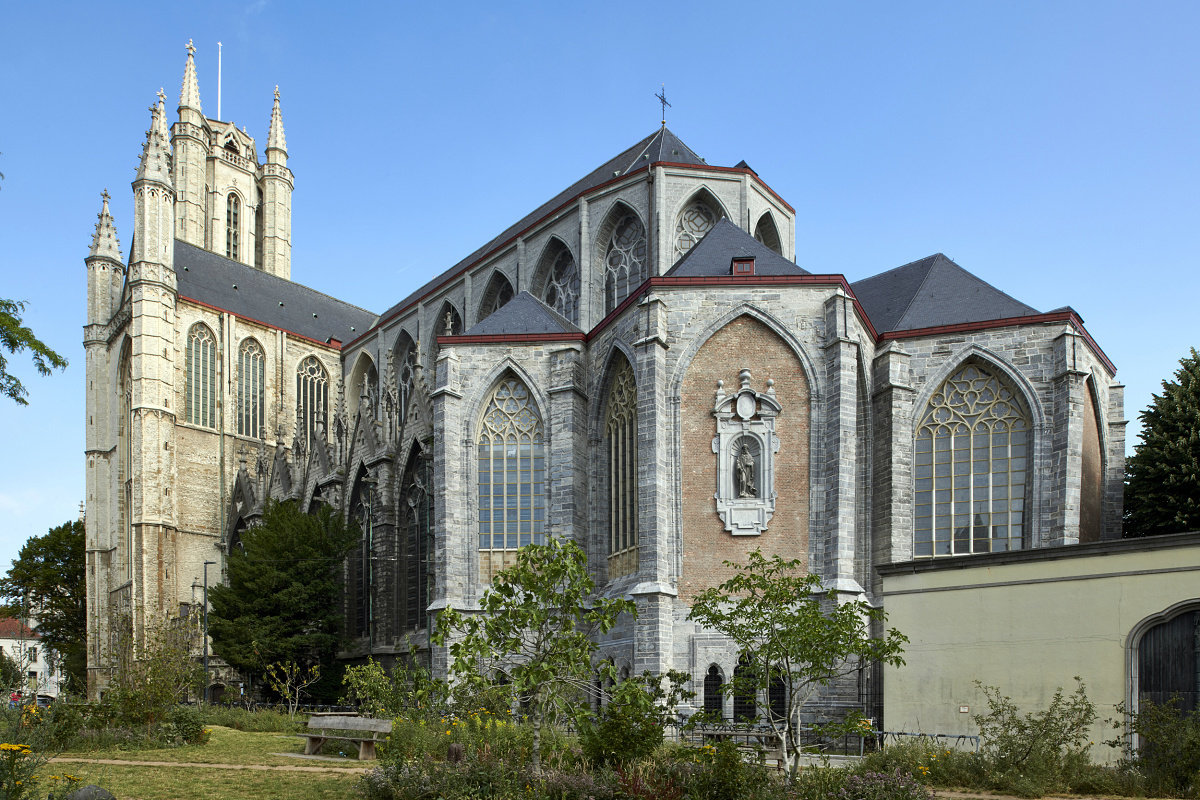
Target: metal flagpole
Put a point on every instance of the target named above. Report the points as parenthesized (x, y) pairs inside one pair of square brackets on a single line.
[(218, 80)]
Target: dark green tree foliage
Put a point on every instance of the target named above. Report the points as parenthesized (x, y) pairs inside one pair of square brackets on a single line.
[(283, 598), (46, 586), (1162, 486), (15, 337)]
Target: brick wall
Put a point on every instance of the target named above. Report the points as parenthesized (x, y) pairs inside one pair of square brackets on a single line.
[(744, 343)]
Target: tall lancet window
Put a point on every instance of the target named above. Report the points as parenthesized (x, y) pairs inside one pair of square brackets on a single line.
[(972, 458), (251, 389), (201, 384), (562, 286), (621, 432), (625, 261), (312, 396), (232, 208), (512, 477)]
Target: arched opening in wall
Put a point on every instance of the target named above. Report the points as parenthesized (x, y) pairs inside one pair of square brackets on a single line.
[(1167, 659), (251, 388), (359, 573), (766, 232), (1091, 483), (777, 697), (497, 294), (862, 480), (233, 209), (556, 279), (511, 476), (364, 381), (200, 379), (415, 541), (971, 465), (714, 697), (235, 538), (698, 217), (312, 399), (448, 323), (125, 454), (621, 253), (744, 707), (621, 438), (404, 364)]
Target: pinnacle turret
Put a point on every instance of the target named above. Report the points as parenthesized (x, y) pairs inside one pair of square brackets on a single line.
[(189, 95), (104, 241), (156, 155), (275, 137), (161, 116)]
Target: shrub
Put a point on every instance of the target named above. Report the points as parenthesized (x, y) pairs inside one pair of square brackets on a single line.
[(631, 726), (725, 774), (929, 763), (185, 725), (1169, 756), (818, 782), (262, 721), (894, 785)]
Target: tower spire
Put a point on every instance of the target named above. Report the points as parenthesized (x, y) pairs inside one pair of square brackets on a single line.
[(189, 95), (275, 137), (104, 241), (156, 157), (161, 116)]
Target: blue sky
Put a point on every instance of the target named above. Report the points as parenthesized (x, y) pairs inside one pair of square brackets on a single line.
[(1050, 148)]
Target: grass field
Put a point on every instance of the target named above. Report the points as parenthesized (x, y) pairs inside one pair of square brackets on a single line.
[(168, 779)]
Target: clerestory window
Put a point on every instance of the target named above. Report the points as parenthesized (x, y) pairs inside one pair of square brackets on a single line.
[(694, 223), (232, 208), (512, 477), (625, 261), (201, 378), (562, 286), (971, 463), (251, 388), (621, 432), (312, 396)]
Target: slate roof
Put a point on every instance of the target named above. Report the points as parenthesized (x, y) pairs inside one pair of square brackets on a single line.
[(523, 314), (931, 292), (712, 254), (662, 145), (261, 296)]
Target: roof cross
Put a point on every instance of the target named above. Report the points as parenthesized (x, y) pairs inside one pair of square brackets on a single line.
[(662, 97), (191, 48)]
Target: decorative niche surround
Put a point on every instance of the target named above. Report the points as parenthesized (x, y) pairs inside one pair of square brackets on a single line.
[(745, 446)]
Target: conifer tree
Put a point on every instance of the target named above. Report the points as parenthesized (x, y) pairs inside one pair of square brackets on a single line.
[(1162, 479)]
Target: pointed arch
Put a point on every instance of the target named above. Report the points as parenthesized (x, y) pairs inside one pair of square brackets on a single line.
[(233, 210), (767, 232), (498, 292), (361, 510), (124, 385), (312, 397), (621, 254), (511, 474), (448, 322), (1092, 468), (200, 376), (621, 439), (414, 541), (556, 280), (364, 370), (251, 388), (404, 364), (697, 216), (1163, 658), (971, 463)]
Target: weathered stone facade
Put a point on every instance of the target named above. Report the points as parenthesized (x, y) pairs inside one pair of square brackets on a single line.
[(681, 270)]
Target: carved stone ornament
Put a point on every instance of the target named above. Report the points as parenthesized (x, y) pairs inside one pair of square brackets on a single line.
[(745, 446)]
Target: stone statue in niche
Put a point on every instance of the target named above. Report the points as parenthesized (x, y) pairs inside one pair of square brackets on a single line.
[(743, 474), (745, 446)]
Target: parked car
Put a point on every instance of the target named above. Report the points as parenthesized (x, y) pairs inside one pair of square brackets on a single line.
[(44, 700)]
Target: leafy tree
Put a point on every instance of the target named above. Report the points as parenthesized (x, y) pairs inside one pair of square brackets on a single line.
[(11, 675), (1162, 485), (46, 585), (282, 602), (157, 673), (536, 631), (15, 337), (790, 630)]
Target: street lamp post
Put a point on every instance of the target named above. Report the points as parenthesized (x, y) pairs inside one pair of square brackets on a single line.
[(206, 566)]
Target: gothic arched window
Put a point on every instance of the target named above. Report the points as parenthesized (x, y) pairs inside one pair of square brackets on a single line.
[(714, 701), (744, 707), (251, 388), (625, 261), (562, 286), (200, 386), (972, 456), (312, 395), (512, 477), (621, 433), (766, 232), (405, 365), (232, 207), (694, 223), (416, 537), (499, 292)]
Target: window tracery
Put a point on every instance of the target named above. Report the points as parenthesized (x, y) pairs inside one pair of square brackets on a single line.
[(232, 208), (405, 366), (416, 536), (625, 261), (312, 397), (971, 463), (251, 390), (694, 223), (201, 384), (562, 286), (621, 432), (512, 477)]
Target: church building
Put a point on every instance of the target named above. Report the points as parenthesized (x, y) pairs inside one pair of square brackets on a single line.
[(639, 365)]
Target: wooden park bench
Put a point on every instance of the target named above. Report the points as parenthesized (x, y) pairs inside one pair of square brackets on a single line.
[(320, 725)]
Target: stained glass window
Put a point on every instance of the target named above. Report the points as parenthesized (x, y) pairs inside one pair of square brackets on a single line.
[(232, 207), (971, 463), (695, 221), (621, 431), (251, 388), (201, 385), (312, 394), (562, 286), (625, 261), (512, 477)]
